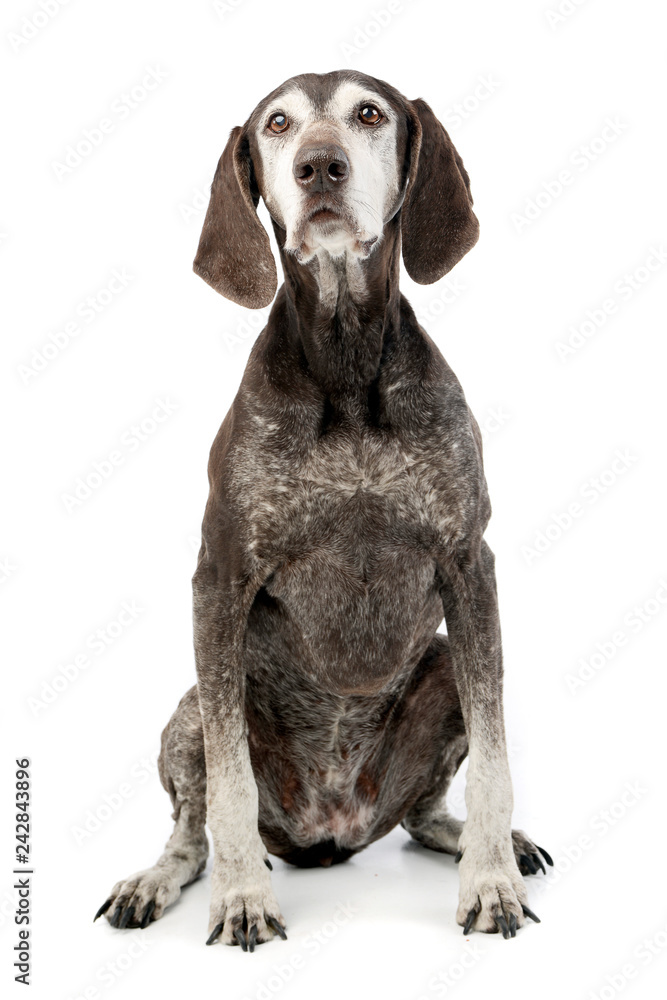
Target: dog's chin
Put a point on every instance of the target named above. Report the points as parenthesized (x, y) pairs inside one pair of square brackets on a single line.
[(328, 231)]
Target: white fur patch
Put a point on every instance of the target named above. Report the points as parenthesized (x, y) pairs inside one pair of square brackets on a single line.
[(366, 198)]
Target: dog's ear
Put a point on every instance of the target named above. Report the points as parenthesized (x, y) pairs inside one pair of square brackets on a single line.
[(234, 254), (438, 224)]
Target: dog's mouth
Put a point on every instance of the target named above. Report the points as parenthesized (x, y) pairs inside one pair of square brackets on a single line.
[(325, 215), (329, 223), (324, 209)]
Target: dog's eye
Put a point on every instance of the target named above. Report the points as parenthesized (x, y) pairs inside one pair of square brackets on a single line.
[(369, 115), (278, 123)]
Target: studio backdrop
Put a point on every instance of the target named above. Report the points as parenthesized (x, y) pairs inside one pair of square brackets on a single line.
[(120, 364)]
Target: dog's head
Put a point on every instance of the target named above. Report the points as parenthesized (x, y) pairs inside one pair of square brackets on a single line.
[(335, 157)]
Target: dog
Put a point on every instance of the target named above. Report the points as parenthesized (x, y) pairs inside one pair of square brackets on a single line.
[(345, 518)]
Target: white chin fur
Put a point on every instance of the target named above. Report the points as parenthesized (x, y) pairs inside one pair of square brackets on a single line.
[(336, 241)]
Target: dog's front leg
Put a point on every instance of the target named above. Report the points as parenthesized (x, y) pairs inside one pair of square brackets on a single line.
[(492, 893), (243, 906)]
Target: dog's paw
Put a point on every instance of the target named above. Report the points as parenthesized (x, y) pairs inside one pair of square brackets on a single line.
[(529, 857), (244, 909), (140, 899), (492, 897)]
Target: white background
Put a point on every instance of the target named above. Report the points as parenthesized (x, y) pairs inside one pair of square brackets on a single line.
[(536, 93)]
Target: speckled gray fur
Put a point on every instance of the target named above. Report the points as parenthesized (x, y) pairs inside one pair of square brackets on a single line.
[(346, 515)]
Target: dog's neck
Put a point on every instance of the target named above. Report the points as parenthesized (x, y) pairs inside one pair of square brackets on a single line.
[(342, 313)]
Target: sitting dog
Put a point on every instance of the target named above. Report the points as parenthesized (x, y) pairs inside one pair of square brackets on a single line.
[(345, 518)]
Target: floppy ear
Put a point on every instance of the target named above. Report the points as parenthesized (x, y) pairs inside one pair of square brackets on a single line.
[(438, 224), (234, 254)]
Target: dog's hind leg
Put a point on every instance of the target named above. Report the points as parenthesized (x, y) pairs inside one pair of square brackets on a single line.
[(142, 898), (430, 822)]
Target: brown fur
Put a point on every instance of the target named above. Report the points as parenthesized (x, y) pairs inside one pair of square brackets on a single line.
[(346, 513)]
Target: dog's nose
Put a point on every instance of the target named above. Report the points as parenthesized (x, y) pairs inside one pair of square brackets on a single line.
[(321, 168)]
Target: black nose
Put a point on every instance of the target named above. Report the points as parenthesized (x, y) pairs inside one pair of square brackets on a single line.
[(321, 168)]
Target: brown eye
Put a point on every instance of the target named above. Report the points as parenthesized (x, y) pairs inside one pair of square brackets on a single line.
[(278, 123), (369, 115)]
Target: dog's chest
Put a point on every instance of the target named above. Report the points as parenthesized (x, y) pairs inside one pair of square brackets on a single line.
[(353, 488), (351, 529)]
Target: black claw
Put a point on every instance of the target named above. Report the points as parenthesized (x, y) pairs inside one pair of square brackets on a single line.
[(502, 923), (148, 913), (214, 933), (252, 937), (277, 926), (512, 924), (530, 865), (127, 916), (240, 937), (103, 909), (538, 861), (268, 864), (116, 915), (457, 857), (545, 855), (529, 913), (470, 920)]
